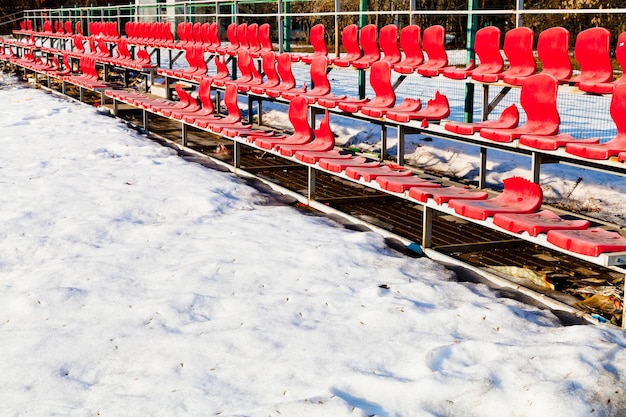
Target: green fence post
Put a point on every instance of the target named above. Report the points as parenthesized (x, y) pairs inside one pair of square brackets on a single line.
[(362, 22), (472, 23), (287, 36)]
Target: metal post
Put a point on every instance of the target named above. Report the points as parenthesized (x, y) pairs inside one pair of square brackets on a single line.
[(536, 166), (519, 19), (236, 155), (184, 134), (337, 40), (400, 147), (383, 142), (281, 27), (362, 22), (311, 184), (472, 23), (482, 170), (427, 227), (287, 39)]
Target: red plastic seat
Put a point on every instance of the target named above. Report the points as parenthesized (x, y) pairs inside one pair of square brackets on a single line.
[(254, 45), (445, 194), (222, 74), (370, 173), (299, 118), (318, 42), (399, 184), (380, 80), (553, 52), (436, 109), (412, 48), (592, 53), (233, 117), (487, 48), (213, 38), (231, 35), (242, 38), (518, 48), (311, 157), (350, 42), (607, 87), (508, 119), (206, 101), (323, 140), (553, 142), (519, 196), (287, 80), (388, 39), (338, 165), (265, 43), (535, 223), (590, 242), (616, 145), (538, 99), (369, 46), (269, 69), (256, 77), (319, 79), (433, 43)]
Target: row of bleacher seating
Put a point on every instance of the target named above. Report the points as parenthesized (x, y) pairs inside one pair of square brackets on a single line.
[(516, 210), (538, 99), (367, 45)]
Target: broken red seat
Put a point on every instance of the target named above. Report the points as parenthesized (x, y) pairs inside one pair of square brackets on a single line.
[(287, 79), (407, 105), (433, 43), (519, 196), (338, 165), (248, 133), (312, 157), (507, 120), (370, 173), (323, 140), (445, 194), (538, 99), (590, 242), (616, 145), (535, 223), (436, 109), (552, 142), (621, 157), (399, 184), (333, 101)]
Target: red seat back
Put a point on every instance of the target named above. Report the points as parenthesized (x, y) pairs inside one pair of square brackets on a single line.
[(487, 48), (538, 99), (592, 53), (231, 35), (620, 51), (269, 68), (231, 103), (196, 32), (204, 94), (318, 42), (299, 118), (618, 109), (243, 63), (368, 42), (204, 33), (553, 51), (253, 37), (380, 80), (433, 43), (518, 48), (242, 35), (411, 45), (264, 37), (214, 37), (222, 68), (388, 38), (350, 41), (319, 77), (285, 72)]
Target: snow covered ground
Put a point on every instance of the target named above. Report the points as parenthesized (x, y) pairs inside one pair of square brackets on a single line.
[(134, 283)]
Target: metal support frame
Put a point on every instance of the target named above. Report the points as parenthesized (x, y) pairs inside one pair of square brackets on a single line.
[(400, 148), (482, 169), (144, 119), (427, 227), (236, 155), (183, 132), (311, 177), (383, 142)]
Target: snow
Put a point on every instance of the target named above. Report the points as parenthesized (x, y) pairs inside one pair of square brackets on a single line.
[(136, 283)]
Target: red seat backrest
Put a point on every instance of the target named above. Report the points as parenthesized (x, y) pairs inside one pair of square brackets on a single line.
[(269, 67), (242, 35), (620, 51), (553, 52), (350, 40), (319, 77), (253, 37), (231, 34), (368, 42), (316, 36), (410, 44), (204, 94), (264, 37), (487, 48), (197, 32), (243, 63), (618, 109), (204, 33), (380, 80), (433, 42), (287, 80), (299, 117), (388, 39), (518, 48), (231, 103), (214, 36), (592, 53), (538, 99)]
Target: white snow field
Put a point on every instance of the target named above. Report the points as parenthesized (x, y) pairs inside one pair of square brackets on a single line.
[(135, 283)]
